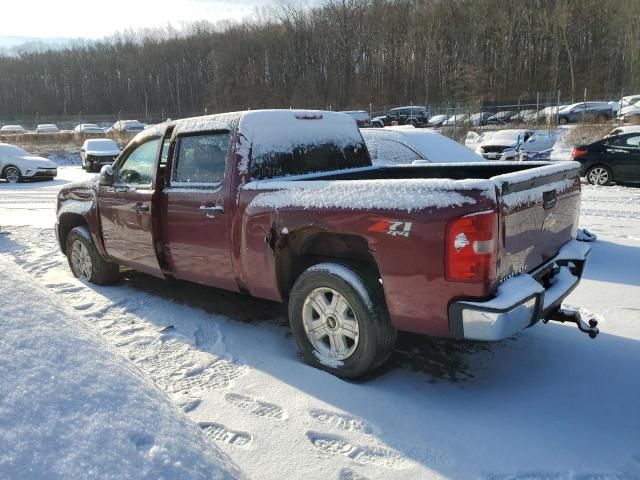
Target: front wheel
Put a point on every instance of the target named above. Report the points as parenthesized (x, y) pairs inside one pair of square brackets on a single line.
[(12, 174), (599, 175), (340, 321), (86, 262), (563, 120)]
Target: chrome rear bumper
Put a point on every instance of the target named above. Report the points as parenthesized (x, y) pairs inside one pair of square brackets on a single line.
[(523, 300)]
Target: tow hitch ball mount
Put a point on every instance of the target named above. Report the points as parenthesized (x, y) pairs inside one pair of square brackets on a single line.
[(573, 316)]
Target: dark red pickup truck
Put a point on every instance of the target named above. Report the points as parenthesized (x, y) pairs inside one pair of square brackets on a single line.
[(286, 205)]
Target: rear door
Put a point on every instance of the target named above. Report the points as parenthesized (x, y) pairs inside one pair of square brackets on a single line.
[(198, 225), (126, 209), (623, 156), (538, 216)]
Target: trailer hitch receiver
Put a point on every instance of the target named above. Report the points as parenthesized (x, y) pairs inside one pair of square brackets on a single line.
[(563, 315)]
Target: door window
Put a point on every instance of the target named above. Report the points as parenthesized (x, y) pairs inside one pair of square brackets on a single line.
[(201, 160), (137, 169), (634, 141), (631, 141)]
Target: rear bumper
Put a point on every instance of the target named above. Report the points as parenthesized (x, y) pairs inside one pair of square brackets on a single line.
[(523, 300)]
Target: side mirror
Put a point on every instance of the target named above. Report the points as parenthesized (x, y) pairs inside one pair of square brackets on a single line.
[(105, 179)]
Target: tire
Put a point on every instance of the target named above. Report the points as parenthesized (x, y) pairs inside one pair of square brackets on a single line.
[(85, 261), (599, 175), (371, 337), (12, 174), (563, 121), (602, 118)]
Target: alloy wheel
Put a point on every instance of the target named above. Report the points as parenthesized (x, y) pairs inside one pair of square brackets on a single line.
[(12, 174), (81, 260), (598, 176), (330, 324)]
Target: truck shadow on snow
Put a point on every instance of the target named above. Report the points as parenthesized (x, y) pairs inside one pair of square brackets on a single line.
[(440, 359)]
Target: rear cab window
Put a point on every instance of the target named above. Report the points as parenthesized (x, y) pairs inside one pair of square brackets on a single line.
[(290, 143)]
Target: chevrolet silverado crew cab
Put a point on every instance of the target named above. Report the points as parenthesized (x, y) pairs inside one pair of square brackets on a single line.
[(285, 205)]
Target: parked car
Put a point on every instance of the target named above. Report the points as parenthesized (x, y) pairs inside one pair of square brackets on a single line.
[(479, 119), (413, 115), (502, 117), (541, 140), (539, 156), (630, 113), (12, 130), (612, 159), (533, 117), (286, 205), (522, 115), (47, 128), (88, 129), (549, 114), (362, 118), (622, 130), (627, 101), (585, 111), (473, 139), (394, 145), (96, 153), (437, 120), (504, 144), (455, 120), (126, 126), (17, 165)]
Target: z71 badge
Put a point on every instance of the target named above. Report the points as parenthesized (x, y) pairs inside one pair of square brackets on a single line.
[(391, 227)]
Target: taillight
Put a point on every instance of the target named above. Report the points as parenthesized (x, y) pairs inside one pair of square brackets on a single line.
[(470, 250), (578, 152)]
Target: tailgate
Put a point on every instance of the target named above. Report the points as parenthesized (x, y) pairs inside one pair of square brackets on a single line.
[(539, 211)]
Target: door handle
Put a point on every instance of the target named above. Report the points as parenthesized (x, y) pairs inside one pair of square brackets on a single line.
[(140, 207), (210, 212)]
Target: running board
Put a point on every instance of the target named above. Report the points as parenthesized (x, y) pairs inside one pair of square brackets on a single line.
[(563, 315)]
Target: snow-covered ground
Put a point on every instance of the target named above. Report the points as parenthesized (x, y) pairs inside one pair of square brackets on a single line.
[(547, 403)]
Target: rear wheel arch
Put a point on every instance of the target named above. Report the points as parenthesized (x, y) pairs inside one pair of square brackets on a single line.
[(301, 249)]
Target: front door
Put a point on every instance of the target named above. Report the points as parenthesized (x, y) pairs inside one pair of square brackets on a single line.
[(126, 210), (198, 225), (623, 154)]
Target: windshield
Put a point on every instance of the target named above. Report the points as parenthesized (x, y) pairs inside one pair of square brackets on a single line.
[(101, 145)]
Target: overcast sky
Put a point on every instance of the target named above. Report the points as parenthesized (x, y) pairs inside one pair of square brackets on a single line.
[(90, 19)]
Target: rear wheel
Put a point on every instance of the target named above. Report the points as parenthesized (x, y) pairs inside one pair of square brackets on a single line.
[(599, 175), (340, 321), (86, 262), (12, 174)]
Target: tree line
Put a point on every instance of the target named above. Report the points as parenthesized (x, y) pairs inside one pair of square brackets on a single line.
[(341, 54)]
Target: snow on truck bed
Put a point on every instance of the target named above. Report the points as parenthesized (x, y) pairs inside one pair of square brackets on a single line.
[(409, 195), (73, 408)]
